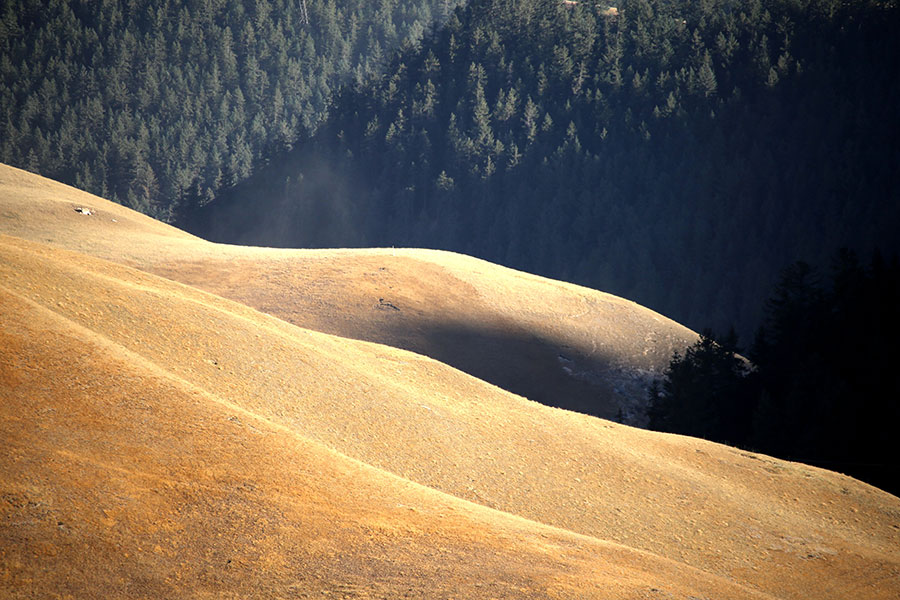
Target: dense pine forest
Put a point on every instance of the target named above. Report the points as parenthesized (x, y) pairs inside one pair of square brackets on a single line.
[(678, 153), (152, 103)]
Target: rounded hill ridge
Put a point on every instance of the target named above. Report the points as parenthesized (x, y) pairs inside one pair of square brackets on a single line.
[(553, 342), (161, 439)]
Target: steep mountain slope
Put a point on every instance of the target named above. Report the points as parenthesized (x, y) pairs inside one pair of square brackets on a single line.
[(163, 431), (553, 342)]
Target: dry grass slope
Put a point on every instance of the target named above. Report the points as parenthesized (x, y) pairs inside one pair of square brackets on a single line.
[(553, 342), (124, 478), (160, 440)]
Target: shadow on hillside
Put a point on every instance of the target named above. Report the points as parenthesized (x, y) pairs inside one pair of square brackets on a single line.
[(282, 214), (542, 370)]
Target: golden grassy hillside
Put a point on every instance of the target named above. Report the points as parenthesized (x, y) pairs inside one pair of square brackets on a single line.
[(162, 441), (121, 478), (553, 342)]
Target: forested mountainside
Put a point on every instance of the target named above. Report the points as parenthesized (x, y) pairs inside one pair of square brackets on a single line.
[(155, 102), (821, 388), (678, 153)]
